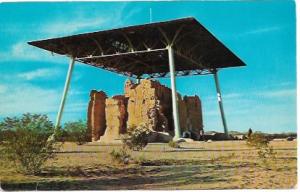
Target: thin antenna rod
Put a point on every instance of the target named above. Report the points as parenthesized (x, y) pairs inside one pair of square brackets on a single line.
[(150, 13)]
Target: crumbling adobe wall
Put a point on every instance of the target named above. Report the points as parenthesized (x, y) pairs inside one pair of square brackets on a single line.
[(148, 103), (151, 103), (193, 120), (116, 117), (96, 120)]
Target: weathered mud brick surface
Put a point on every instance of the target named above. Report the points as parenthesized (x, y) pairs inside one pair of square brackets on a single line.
[(148, 103), (116, 117), (193, 121), (96, 114)]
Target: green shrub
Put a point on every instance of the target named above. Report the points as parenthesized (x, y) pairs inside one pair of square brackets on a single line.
[(27, 143), (61, 135), (173, 144), (122, 156), (137, 137), (77, 132)]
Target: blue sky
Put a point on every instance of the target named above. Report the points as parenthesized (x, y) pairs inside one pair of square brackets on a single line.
[(261, 95)]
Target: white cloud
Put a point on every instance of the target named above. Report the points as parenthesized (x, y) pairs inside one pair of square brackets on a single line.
[(261, 30), (264, 30), (270, 110), (17, 99), (278, 93), (254, 95), (21, 51), (24, 98), (228, 96), (81, 21), (40, 73), (232, 96), (87, 21), (67, 27)]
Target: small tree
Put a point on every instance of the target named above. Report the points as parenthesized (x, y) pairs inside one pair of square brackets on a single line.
[(136, 137), (77, 132), (26, 143)]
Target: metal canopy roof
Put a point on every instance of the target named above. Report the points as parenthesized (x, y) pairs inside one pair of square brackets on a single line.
[(141, 50)]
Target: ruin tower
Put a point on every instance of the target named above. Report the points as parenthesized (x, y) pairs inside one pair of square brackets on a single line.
[(96, 120), (148, 103), (194, 120)]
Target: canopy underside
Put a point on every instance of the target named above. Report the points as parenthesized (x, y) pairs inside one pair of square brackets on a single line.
[(140, 51)]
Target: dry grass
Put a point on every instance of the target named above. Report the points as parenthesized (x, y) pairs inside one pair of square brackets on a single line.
[(199, 165)]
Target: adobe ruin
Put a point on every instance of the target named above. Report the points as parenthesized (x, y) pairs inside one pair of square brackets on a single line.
[(147, 102)]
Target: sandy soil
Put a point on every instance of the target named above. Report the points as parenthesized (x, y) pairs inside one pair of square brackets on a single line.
[(198, 165)]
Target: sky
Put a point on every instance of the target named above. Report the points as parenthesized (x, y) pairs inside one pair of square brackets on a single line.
[(261, 96)]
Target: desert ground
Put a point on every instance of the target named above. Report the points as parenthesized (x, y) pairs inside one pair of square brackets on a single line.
[(197, 165)]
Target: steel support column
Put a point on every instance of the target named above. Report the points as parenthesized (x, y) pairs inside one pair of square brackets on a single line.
[(138, 80), (174, 94), (65, 92), (215, 73)]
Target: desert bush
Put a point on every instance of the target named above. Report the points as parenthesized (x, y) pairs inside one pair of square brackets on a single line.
[(257, 140), (173, 144), (137, 137), (27, 144), (121, 156), (266, 152), (261, 143), (4, 134), (77, 132)]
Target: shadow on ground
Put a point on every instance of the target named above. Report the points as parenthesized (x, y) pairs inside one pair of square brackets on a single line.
[(144, 177)]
